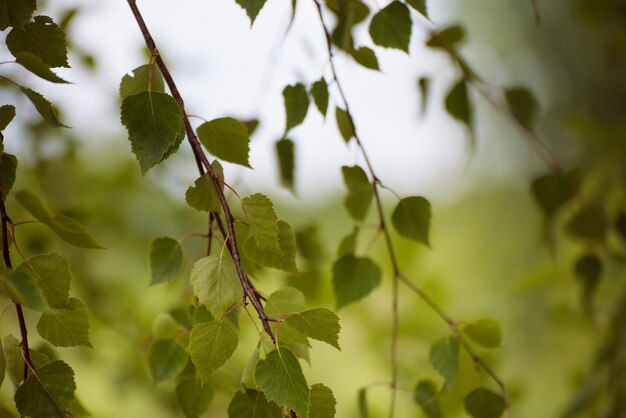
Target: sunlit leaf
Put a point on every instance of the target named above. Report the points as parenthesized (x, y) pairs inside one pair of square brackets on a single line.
[(483, 403), (296, 105), (167, 359), (320, 324), (252, 404), (215, 283), (227, 139), (425, 395), (319, 91), (252, 7), (66, 327), (42, 38), (411, 218), (48, 393), (354, 278), (211, 344), (444, 356), (166, 258), (485, 332), (360, 192), (138, 81), (322, 402), (366, 57), (193, 398), (391, 27), (286, 162)]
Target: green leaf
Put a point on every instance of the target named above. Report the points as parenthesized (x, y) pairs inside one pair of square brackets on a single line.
[(43, 107), (35, 65), (285, 300), (165, 327), (202, 195), (319, 91), (590, 222), (16, 12), (252, 8), (458, 105), (284, 259), (201, 314), (483, 403), (252, 404), (51, 273), (360, 192), (167, 359), (193, 398), (320, 324), (425, 395), (522, 104), (286, 162), (485, 332), (589, 270), (349, 14), (411, 218), (343, 124), (419, 5), (227, 139), (424, 87), (391, 27), (153, 121), (354, 278), (166, 258), (8, 167), (48, 393), (366, 57), (444, 356), (66, 327), (362, 403), (296, 105), (322, 402), (42, 38), (7, 113), (262, 221), (280, 377), (447, 38), (15, 360), (347, 246), (310, 245), (138, 81), (216, 284), (23, 289), (553, 190), (68, 229), (211, 345)]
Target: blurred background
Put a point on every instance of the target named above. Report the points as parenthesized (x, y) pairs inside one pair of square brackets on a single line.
[(494, 252)]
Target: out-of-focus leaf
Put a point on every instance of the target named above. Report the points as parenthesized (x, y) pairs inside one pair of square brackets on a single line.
[(354, 278), (166, 258), (391, 27)]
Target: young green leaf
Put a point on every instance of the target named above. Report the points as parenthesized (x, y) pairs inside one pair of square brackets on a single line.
[(354, 278), (262, 221), (286, 162), (419, 5), (51, 273), (322, 402), (166, 257), (411, 218), (391, 27), (280, 377), (216, 284), (485, 332), (252, 404), (425, 395), (343, 124), (42, 38), (43, 107), (483, 403), (319, 91), (66, 327), (193, 398), (320, 324), (252, 8), (366, 57), (296, 105), (8, 167), (285, 300), (444, 356), (284, 259), (167, 359), (227, 139), (48, 393), (153, 121), (522, 104), (458, 105), (68, 229), (7, 113), (211, 344), (139, 81), (35, 65), (360, 192), (16, 13), (202, 195)]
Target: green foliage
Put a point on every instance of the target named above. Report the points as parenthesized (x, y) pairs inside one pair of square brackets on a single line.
[(202, 195), (362, 403), (166, 258), (167, 359), (296, 105), (7, 113), (227, 139), (8, 167), (458, 105), (360, 192), (354, 278), (262, 221), (252, 7), (285, 300), (444, 356), (193, 398), (320, 324), (165, 327), (590, 222), (446, 38), (16, 13), (48, 392), (523, 105), (553, 190), (425, 395), (43, 106), (321, 402), (66, 327), (319, 92), (366, 57), (283, 259), (41, 38), (252, 404), (411, 218), (419, 5), (211, 344), (485, 332), (391, 27), (286, 162), (215, 283), (141, 79), (35, 65), (15, 360), (483, 403), (343, 124)]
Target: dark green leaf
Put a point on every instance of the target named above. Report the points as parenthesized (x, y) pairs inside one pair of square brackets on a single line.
[(252, 404), (320, 324), (349, 13), (360, 192), (620, 225), (589, 270), (485, 332), (211, 345), (446, 38), (43, 107), (252, 7), (8, 166), (16, 12), (286, 162), (48, 393), (284, 259), (425, 395), (66, 327), (483, 403), (227, 139), (411, 218), (458, 105), (522, 104), (296, 105), (444, 356), (419, 5), (589, 222), (354, 278), (322, 402), (42, 38), (424, 87), (343, 124), (319, 91), (167, 359), (391, 27), (139, 81), (553, 190), (262, 221), (35, 65), (7, 113), (366, 57), (216, 284), (193, 398), (362, 403), (202, 195), (280, 377), (166, 258)]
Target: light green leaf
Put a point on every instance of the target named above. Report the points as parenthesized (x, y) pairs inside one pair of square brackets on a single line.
[(202, 195), (66, 327), (167, 359), (227, 139), (16, 12), (296, 105), (216, 284), (153, 121), (286, 162), (523, 105), (193, 398), (252, 404), (247, 375), (360, 192), (51, 273), (322, 403), (43, 107), (166, 258), (411, 218), (354, 278), (8, 167), (319, 91), (284, 259), (165, 327), (419, 5), (48, 393), (66, 228), (42, 38), (211, 345), (35, 65), (7, 113), (458, 105), (262, 221), (252, 8), (343, 124), (320, 324), (444, 356), (391, 27), (280, 377), (483, 403), (285, 300), (15, 360), (485, 332), (138, 81), (366, 57), (425, 395)]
